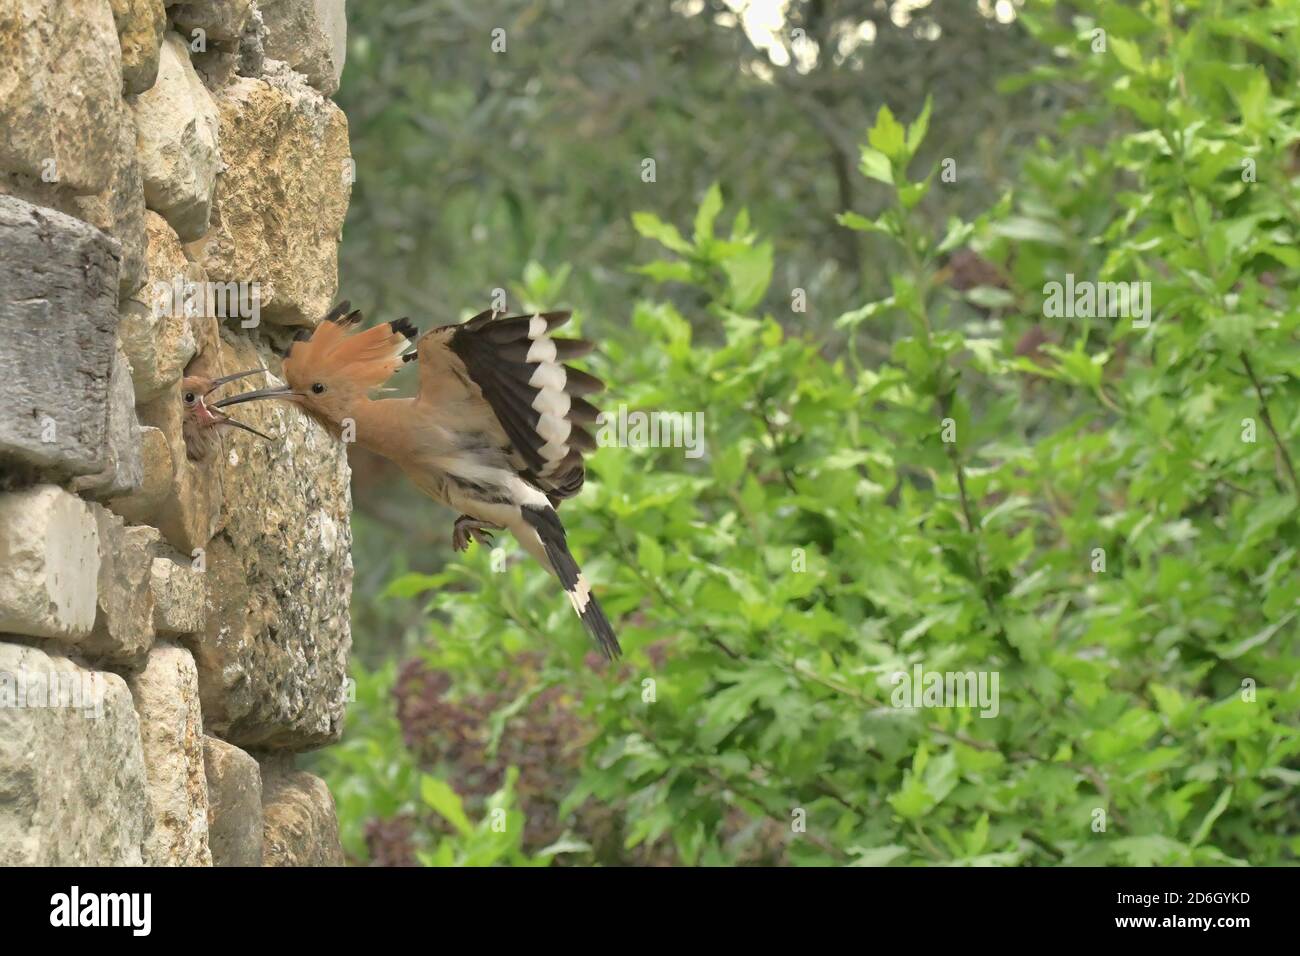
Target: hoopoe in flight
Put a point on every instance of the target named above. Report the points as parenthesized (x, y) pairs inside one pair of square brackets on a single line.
[(201, 423), (494, 433)]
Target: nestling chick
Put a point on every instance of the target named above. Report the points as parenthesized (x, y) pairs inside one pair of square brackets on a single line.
[(202, 423)]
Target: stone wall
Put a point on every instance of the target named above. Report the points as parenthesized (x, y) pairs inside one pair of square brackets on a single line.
[(172, 631)]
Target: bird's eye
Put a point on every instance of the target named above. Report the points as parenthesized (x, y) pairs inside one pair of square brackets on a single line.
[(189, 398), (318, 388)]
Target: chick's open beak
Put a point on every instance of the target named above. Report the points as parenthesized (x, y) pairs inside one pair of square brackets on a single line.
[(224, 419), (212, 410)]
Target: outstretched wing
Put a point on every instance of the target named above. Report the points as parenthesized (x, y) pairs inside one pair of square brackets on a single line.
[(514, 365)]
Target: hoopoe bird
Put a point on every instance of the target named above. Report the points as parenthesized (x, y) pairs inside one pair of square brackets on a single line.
[(201, 423), (495, 432)]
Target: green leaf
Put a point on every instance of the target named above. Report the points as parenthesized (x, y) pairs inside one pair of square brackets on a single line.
[(978, 837), (888, 135), (411, 584), (877, 856), (1025, 229), (664, 270), (859, 223), (912, 193), (1249, 87), (666, 234), (748, 275), (912, 801), (650, 555), (852, 319), (917, 129), (1259, 639), (958, 235), (1127, 53), (440, 797), (707, 213), (565, 844), (1216, 811), (875, 165)]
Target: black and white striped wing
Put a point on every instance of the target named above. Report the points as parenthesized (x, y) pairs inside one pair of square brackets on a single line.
[(521, 372)]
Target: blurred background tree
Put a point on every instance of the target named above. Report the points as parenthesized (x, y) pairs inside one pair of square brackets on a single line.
[(479, 151)]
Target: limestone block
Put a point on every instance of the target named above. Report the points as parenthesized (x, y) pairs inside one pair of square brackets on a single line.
[(124, 630), (300, 824), (221, 21), (179, 596), (177, 126), (60, 92), (125, 470), (311, 36), (49, 550), (234, 804), (72, 775), (156, 459), (118, 209), (280, 203), (58, 312), (166, 697), (140, 25), (157, 336)]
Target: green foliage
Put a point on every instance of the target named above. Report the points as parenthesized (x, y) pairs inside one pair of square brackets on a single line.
[(375, 777), (371, 774), (1069, 502)]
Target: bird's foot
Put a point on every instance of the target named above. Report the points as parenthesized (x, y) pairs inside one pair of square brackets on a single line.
[(467, 527)]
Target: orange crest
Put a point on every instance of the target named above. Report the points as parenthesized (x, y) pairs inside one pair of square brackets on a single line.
[(365, 359)]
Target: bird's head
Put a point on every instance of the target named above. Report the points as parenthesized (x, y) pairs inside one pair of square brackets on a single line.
[(329, 372), (202, 422)]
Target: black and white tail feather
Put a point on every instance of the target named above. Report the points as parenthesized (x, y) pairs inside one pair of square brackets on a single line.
[(547, 524)]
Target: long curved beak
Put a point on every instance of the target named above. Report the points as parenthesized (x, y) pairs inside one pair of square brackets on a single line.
[(218, 382), (281, 392)]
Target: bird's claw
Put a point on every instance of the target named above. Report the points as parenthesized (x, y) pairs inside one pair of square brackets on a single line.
[(464, 529)]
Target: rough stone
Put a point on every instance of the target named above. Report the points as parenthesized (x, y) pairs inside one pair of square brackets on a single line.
[(124, 630), (58, 311), (171, 729), (60, 92), (252, 45), (72, 784), (119, 209), (125, 470), (49, 550), (156, 334), (140, 26), (311, 36), (221, 21), (177, 127), (280, 203), (273, 658), (234, 804), (179, 596), (156, 458), (300, 824)]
